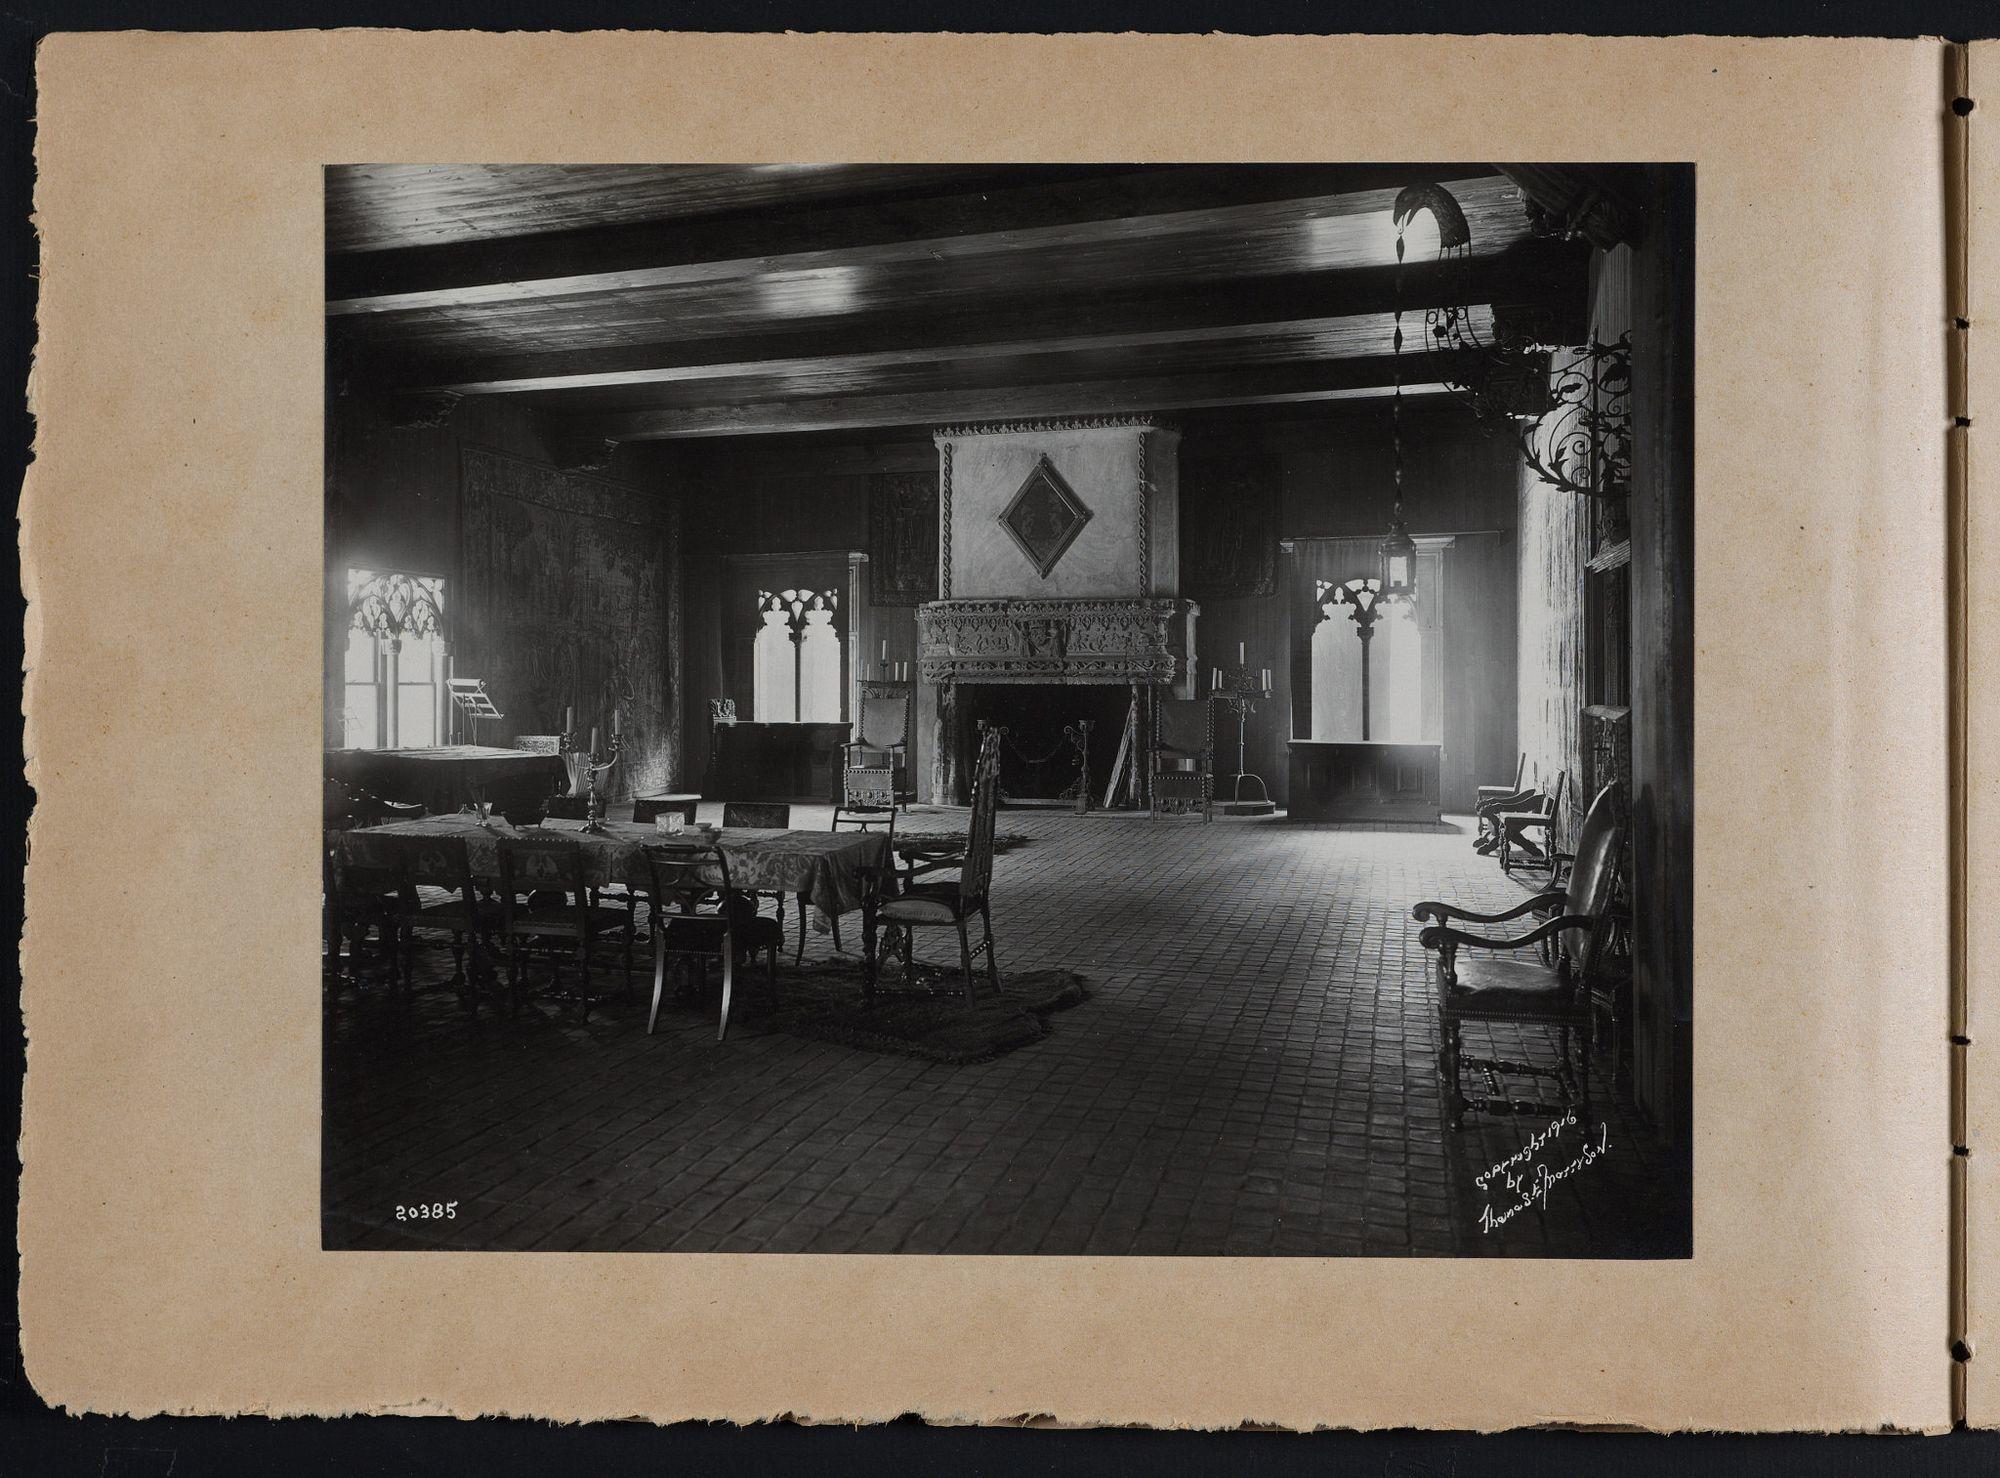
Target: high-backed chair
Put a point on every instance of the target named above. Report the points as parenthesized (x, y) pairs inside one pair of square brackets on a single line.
[(951, 904), (1181, 762), (1497, 798), (703, 918), (1484, 978), (547, 907), (874, 763), (1527, 835)]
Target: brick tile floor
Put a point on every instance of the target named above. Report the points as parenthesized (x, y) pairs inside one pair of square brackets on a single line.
[(1252, 1074)]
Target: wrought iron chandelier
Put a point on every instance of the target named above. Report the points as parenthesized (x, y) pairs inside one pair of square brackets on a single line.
[(1568, 407), (1495, 374), (1582, 443)]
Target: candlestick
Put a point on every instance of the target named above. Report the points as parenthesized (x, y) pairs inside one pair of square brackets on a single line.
[(885, 649), (569, 720), (593, 739), (614, 723), (1240, 659)]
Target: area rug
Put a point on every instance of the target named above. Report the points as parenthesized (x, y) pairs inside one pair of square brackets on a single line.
[(822, 1001)]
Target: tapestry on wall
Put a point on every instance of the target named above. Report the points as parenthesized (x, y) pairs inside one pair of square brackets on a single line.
[(903, 538), (571, 599), (1229, 528)]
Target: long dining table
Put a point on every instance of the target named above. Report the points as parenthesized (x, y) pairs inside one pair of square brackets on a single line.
[(826, 868)]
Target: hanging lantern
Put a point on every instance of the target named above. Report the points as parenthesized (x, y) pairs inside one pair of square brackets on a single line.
[(1399, 561), (1399, 550)]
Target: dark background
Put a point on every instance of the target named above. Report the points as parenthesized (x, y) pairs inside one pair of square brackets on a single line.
[(35, 1440)]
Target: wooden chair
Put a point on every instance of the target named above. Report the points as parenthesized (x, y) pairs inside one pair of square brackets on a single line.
[(648, 809), (577, 808), (874, 763), (443, 865), (862, 818), (920, 905), (774, 815), (1528, 835), (846, 820), (1488, 979), (547, 907), (1182, 760), (1496, 798), (363, 896), (705, 918)]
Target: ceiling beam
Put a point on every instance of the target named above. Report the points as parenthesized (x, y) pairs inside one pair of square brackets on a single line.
[(1546, 275), (883, 233), (1268, 385)]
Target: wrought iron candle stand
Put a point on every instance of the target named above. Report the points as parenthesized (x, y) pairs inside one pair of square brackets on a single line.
[(1239, 689), (584, 766)]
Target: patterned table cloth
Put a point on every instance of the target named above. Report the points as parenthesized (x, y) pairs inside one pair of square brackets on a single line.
[(825, 866)]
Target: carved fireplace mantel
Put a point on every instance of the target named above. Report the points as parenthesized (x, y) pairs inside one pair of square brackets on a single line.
[(1145, 640)]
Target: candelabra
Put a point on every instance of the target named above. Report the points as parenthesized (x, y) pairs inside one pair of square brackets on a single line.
[(585, 764), (1238, 688)]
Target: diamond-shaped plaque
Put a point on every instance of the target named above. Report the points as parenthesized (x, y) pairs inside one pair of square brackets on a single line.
[(1044, 517)]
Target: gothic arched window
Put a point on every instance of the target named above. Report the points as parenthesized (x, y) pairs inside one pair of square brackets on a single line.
[(796, 658), (394, 679), (1397, 680)]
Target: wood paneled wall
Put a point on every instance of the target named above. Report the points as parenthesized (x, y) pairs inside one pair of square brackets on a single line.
[(1659, 291)]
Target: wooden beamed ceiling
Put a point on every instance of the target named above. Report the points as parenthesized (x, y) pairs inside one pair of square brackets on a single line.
[(629, 304)]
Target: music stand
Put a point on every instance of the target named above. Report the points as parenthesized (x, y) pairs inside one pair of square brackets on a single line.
[(468, 696)]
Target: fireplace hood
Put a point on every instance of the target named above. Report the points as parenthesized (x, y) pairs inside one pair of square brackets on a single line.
[(1058, 556)]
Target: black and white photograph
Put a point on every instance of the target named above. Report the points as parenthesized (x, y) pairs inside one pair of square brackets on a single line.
[(1091, 710)]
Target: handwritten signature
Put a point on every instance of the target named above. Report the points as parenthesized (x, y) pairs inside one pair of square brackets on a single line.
[(1525, 1178)]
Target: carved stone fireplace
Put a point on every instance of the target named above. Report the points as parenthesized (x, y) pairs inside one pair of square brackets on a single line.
[(1058, 565), (1055, 734), (1141, 645)]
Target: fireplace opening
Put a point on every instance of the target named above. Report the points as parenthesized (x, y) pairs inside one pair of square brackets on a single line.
[(1038, 762)]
